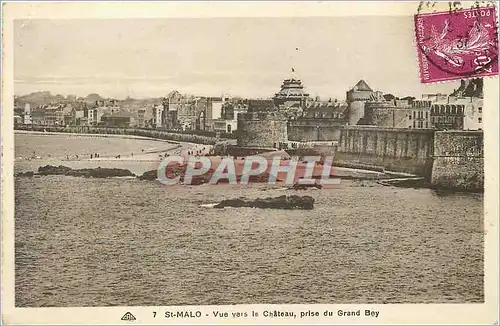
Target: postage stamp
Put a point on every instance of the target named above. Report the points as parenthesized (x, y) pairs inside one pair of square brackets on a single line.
[(457, 44)]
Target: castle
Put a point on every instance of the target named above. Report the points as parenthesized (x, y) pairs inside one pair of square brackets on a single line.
[(296, 120)]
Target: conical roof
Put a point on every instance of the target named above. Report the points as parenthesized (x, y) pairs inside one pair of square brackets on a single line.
[(362, 86)]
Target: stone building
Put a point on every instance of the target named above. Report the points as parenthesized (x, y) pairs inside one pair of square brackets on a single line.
[(140, 120), (420, 114), (319, 122), (172, 104), (228, 126), (187, 112), (119, 119), (291, 97), (27, 114), (202, 113), (231, 109), (462, 110), (458, 114), (382, 112), (158, 115), (356, 98)]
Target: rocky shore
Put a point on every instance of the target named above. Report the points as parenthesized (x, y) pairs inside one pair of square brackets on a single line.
[(179, 170)]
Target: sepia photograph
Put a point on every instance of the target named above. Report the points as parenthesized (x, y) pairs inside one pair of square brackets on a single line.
[(221, 161)]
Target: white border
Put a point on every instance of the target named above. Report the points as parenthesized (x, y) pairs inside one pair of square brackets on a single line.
[(486, 313)]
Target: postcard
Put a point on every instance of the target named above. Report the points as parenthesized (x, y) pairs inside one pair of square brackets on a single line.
[(250, 163)]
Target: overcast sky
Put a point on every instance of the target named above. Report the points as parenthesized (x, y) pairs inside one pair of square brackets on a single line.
[(247, 57)]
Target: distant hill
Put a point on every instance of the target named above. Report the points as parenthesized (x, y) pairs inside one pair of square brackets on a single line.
[(38, 98)]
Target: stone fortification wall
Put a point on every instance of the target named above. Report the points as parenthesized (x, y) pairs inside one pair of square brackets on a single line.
[(306, 130), (400, 150), (458, 160)]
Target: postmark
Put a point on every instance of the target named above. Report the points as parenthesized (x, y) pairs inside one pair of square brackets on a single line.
[(457, 44)]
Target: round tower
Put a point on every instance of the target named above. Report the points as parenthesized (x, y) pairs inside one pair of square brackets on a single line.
[(262, 129), (356, 98)]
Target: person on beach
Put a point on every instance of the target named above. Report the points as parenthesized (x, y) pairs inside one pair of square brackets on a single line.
[(90, 156), (96, 155), (76, 157)]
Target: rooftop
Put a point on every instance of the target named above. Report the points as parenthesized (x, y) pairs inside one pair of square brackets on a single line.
[(291, 88), (362, 86)]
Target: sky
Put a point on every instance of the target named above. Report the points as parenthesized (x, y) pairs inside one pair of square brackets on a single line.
[(246, 57)]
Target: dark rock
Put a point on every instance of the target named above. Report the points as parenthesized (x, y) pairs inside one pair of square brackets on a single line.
[(149, 175), (100, 173), (281, 202), (87, 173), (301, 186), (53, 170), (25, 174), (173, 171), (406, 183)]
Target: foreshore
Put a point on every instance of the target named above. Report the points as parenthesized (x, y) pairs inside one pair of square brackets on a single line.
[(48, 133), (182, 148)]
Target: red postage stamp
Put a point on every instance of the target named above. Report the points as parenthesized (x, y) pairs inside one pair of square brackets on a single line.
[(457, 44)]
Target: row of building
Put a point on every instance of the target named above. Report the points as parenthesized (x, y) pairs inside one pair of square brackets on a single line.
[(307, 119), (77, 113), (296, 118)]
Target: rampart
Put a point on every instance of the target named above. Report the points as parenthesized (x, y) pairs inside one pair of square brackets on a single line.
[(458, 160), (399, 150), (306, 130)]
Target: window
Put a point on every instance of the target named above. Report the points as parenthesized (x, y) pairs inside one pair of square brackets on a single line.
[(413, 123), (480, 120), (426, 125), (427, 114)]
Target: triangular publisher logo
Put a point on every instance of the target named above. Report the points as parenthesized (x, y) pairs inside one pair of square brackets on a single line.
[(128, 316)]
